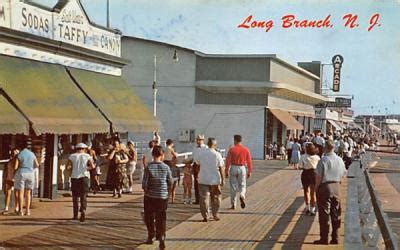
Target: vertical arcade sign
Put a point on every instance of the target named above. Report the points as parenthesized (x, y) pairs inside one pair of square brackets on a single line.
[(337, 62)]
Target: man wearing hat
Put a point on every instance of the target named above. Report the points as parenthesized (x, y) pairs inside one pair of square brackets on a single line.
[(81, 163), (330, 170), (196, 165)]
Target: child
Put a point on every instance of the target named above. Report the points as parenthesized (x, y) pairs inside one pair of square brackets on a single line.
[(187, 182), (274, 150), (270, 153), (282, 152)]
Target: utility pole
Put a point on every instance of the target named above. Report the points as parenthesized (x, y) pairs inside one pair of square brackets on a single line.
[(108, 13)]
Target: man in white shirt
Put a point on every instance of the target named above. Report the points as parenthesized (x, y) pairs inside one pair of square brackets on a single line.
[(211, 179), (196, 165), (81, 163)]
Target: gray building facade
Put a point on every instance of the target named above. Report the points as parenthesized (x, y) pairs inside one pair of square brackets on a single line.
[(261, 97)]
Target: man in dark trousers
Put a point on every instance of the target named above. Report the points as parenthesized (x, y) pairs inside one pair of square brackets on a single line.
[(196, 165), (329, 172), (81, 164)]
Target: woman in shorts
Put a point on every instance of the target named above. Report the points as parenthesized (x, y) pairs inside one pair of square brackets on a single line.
[(24, 177), (8, 188), (309, 162)]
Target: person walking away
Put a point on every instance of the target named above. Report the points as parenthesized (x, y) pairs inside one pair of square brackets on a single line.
[(170, 159), (94, 182), (238, 167), (24, 178), (81, 164), (342, 147), (309, 162), (289, 144), (351, 145), (187, 182), (211, 179), (330, 170), (147, 157), (319, 142), (8, 182), (196, 165), (295, 159), (131, 166), (157, 182)]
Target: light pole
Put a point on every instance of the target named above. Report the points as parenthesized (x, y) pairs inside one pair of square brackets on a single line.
[(154, 86)]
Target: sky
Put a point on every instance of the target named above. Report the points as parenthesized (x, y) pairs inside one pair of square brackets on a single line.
[(371, 65)]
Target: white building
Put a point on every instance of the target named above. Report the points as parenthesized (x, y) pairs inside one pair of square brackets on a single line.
[(261, 97)]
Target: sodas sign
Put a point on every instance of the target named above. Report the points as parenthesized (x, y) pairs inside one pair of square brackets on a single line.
[(337, 62)]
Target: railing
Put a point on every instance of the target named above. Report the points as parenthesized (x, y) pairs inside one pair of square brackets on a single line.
[(184, 156), (389, 237), (366, 223)]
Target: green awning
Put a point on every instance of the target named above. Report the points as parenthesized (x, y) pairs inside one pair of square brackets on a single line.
[(11, 121), (117, 100), (46, 94)]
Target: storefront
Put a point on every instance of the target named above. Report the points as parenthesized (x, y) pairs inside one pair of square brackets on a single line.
[(328, 121), (60, 84)]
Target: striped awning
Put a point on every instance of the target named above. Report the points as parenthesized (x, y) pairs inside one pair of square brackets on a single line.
[(394, 127), (335, 125), (288, 120), (49, 98), (11, 121), (118, 101), (374, 128)]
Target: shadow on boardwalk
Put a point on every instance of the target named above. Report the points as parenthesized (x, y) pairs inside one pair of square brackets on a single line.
[(111, 223), (298, 234)]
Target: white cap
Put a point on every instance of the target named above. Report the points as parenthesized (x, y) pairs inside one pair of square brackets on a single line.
[(81, 145)]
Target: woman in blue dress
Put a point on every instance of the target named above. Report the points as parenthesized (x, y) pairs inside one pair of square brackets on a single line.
[(295, 159)]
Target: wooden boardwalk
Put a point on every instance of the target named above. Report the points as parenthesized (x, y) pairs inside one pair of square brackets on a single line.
[(272, 219)]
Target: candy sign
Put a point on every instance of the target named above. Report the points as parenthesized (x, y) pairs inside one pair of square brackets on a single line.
[(71, 26)]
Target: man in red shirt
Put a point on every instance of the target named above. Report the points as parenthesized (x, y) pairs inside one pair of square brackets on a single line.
[(238, 159)]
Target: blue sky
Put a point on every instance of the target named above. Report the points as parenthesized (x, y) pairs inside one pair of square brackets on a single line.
[(371, 59)]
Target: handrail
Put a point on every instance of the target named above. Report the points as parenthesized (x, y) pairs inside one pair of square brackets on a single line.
[(383, 151), (386, 230)]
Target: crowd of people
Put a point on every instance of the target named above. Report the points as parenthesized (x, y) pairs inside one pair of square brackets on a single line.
[(204, 172), (322, 159), (19, 176)]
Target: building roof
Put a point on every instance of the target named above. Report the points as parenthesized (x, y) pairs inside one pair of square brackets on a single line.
[(199, 53), (61, 4)]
